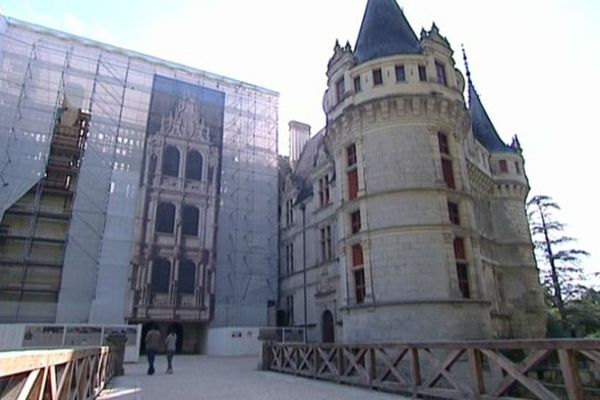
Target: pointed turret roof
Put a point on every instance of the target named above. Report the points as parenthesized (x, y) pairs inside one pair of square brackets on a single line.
[(384, 32), (481, 124)]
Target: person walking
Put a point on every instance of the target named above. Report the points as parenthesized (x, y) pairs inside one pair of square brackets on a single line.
[(152, 342), (171, 345)]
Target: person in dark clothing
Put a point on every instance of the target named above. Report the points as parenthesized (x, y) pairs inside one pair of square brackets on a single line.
[(152, 342)]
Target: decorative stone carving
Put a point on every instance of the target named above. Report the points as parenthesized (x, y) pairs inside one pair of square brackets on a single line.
[(184, 120)]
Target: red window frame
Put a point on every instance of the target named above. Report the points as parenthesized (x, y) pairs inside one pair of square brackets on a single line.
[(352, 184), (448, 173), (459, 248), (357, 255), (503, 166)]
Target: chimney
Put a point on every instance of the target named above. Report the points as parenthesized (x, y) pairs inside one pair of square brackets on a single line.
[(299, 135)]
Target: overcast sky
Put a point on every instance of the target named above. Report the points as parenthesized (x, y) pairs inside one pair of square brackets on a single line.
[(535, 64)]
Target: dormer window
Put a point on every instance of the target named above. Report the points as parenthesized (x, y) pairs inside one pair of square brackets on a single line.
[(400, 73), (324, 199), (377, 77), (357, 87), (440, 71), (422, 73), (503, 166), (339, 89)]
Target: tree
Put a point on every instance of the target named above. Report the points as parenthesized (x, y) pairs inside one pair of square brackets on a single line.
[(584, 314), (560, 268)]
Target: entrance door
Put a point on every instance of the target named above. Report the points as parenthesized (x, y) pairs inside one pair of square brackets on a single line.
[(327, 329)]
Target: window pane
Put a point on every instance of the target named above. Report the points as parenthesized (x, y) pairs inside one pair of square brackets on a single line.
[(503, 166), (170, 162), (443, 143), (357, 255), (459, 249), (352, 184), (377, 77), (400, 74), (453, 213), (189, 223), (339, 89), (165, 218), (187, 277), (193, 166), (359, 285), (448, 173), (357, 87), (440, 70), (351, 155), (422, 73), (463, 280), (161, 272), (355, 221)]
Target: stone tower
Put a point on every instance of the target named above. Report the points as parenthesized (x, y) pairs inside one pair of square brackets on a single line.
[(499, 188), (432, 235)]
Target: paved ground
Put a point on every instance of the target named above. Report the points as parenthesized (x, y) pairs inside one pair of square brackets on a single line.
[(225, 378)]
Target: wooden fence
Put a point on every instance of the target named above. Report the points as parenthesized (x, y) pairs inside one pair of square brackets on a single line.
[(73, 374), (528, 369)]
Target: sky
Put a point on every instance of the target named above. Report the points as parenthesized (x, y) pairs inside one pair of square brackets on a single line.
[(535, 64)]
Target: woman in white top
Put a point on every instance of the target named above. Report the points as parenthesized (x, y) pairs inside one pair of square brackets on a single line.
[(171, 345)]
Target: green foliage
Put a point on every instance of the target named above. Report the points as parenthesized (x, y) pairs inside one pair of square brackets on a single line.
[(582, 317), (583, 314), (573, 307)]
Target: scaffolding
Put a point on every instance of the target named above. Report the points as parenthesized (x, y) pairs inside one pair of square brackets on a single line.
[(41, 69)]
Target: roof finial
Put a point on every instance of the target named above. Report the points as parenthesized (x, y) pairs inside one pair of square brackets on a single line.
[(466, 64)]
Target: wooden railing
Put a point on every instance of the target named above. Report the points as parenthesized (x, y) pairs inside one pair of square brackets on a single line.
[(54, 374), (528, 369)]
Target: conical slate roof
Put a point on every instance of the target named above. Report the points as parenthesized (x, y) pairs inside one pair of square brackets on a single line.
[(483, 129), (384, 32)]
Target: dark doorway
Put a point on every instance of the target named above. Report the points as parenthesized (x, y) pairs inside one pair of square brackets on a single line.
[(327, 329), (178, 329)]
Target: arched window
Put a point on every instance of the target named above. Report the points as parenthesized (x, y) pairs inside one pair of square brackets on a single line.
[(165, 218), (189, 221), (193, 166), (161, 273), (187, 277), (170, 161)]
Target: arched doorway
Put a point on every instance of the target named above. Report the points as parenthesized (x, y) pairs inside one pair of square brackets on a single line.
[(178, 329), (327, 329)]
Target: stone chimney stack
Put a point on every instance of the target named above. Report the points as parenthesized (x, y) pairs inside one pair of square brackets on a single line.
[(299, 135)]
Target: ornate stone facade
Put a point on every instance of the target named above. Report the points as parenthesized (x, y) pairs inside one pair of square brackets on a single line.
[(173, 262)]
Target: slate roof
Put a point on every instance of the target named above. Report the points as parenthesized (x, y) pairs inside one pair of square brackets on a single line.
[(306, 163), (384, 31), (482, 126)]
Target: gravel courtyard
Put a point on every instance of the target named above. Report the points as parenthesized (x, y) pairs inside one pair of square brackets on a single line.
[(225, 378)]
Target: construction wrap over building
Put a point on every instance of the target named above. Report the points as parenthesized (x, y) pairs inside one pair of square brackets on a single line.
[(116, 170)]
